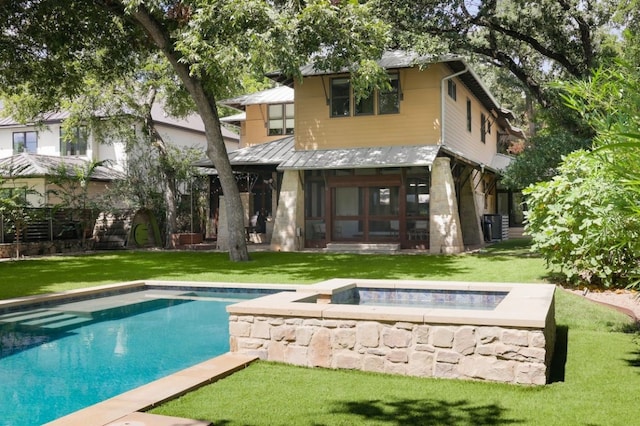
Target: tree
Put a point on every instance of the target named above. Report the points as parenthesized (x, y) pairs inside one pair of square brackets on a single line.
[(15, 207), (207, 43)]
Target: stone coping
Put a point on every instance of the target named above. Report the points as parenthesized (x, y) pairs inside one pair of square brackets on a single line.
[(525, 305)]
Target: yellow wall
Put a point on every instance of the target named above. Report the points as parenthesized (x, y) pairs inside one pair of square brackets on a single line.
[(254, 129), (417, 123)]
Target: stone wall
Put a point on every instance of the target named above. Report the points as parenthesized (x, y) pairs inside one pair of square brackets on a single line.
[(42, 248), (489, 353)]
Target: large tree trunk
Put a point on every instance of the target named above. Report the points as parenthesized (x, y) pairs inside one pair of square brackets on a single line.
[(216, 149)]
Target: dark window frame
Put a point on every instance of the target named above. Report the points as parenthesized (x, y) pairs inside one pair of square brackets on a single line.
[(78, 145), (468, 115), (452, 89), (24, 145), (483, 128), (284, 129)]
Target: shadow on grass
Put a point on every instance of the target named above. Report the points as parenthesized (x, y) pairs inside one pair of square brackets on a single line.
[(559, 361), (425, 411)]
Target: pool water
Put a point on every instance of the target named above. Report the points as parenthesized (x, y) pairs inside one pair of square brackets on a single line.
[(49, 368)]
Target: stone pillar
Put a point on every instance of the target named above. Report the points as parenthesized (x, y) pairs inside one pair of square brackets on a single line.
[(290, 214), (222, 242), (445, 235), (469, 210)]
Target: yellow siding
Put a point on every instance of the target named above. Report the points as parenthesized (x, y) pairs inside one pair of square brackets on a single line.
[(254, 130), (417, 123)]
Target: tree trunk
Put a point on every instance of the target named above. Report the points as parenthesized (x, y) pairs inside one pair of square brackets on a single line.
[(216, 150)]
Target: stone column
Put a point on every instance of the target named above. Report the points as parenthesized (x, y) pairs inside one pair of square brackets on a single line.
[(469, 210), (445, 232), (290, 214)]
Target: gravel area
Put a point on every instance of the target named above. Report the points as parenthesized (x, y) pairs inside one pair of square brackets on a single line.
[(624, 300)]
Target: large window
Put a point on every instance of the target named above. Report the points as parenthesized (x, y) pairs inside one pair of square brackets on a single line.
[(25, 142), (342, 97), (469, 115), (74, 143), (452, 89), (281, 119)]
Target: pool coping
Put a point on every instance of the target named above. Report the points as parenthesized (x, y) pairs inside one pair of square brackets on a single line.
[(525, 305)]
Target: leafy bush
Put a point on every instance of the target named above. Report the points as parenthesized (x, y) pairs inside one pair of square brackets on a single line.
[(580, 222)]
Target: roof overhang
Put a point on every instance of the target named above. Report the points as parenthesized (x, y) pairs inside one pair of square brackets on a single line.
[(361, 158)]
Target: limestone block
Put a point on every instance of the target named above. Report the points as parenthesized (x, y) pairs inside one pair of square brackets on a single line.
[(444, 370), (261, 330), (344, 338), (246, 318), (275, 351), (347, 324), (395, 338), (293, 321), (537, 339), (296, 355), (533, 354), (395, 368), (531, 374), (382, 351), (240, 329), (464, 341), (233, 318), (404, 325), (303, 335), (283, 332), (233, 344), (487, 335), (246, 343), (320, 349), (420, 364), (312, 322), (442, 337), (397, 355), (486, 349), (421, 334), (329, 323), (425, 348), (373, 363), (488, 368), (515, 337), (450, 357), (275, 321), (367, 334), (346, 360)]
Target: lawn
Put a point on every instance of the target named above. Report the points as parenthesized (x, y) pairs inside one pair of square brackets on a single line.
[(595, 378)]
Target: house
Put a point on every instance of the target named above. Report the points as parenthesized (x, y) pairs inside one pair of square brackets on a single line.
[(33, 151), (416, 166)]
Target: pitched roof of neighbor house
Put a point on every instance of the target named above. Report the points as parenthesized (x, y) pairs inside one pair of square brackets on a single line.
[(269, 153), (33, 165), (192, 122)]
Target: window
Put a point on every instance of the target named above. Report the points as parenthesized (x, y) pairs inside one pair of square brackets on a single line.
[(469, 114), (340, 97), (75, 143), (389, 101), (25, 142), (451, 89), (483, 128), (280, 119)]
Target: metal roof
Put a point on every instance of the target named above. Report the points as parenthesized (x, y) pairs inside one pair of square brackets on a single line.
[(32, 165), (269, 153), (360, 158), (277, 95), (235, 118)]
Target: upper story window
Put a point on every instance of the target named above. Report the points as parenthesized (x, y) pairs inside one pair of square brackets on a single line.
[(468, 114), (74, 143), (452, 89), (388, 101), (281, 119), (25, 142), (483, 128)]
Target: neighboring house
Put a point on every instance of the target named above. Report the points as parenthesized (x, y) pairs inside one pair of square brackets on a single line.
[(416, 166), (43, 140)]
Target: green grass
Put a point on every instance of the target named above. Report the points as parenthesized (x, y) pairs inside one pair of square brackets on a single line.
[(509, 263), (596, 376)]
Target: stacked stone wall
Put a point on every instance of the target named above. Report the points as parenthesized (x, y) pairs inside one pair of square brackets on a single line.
[(448, 351), (8, 250)]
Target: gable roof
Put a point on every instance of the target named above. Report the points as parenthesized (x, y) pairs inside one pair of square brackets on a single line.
[(269, 153), (33, 165)]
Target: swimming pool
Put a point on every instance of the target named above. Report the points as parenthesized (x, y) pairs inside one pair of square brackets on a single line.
[(56, 359)]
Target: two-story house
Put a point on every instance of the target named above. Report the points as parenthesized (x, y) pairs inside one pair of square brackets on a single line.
[(415, 166), (31, 152)]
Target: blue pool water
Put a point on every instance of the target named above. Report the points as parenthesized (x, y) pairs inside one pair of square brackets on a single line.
[(51, 368)]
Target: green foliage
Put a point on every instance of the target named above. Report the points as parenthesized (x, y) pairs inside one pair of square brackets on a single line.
[(579, 225), (15, 208)]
